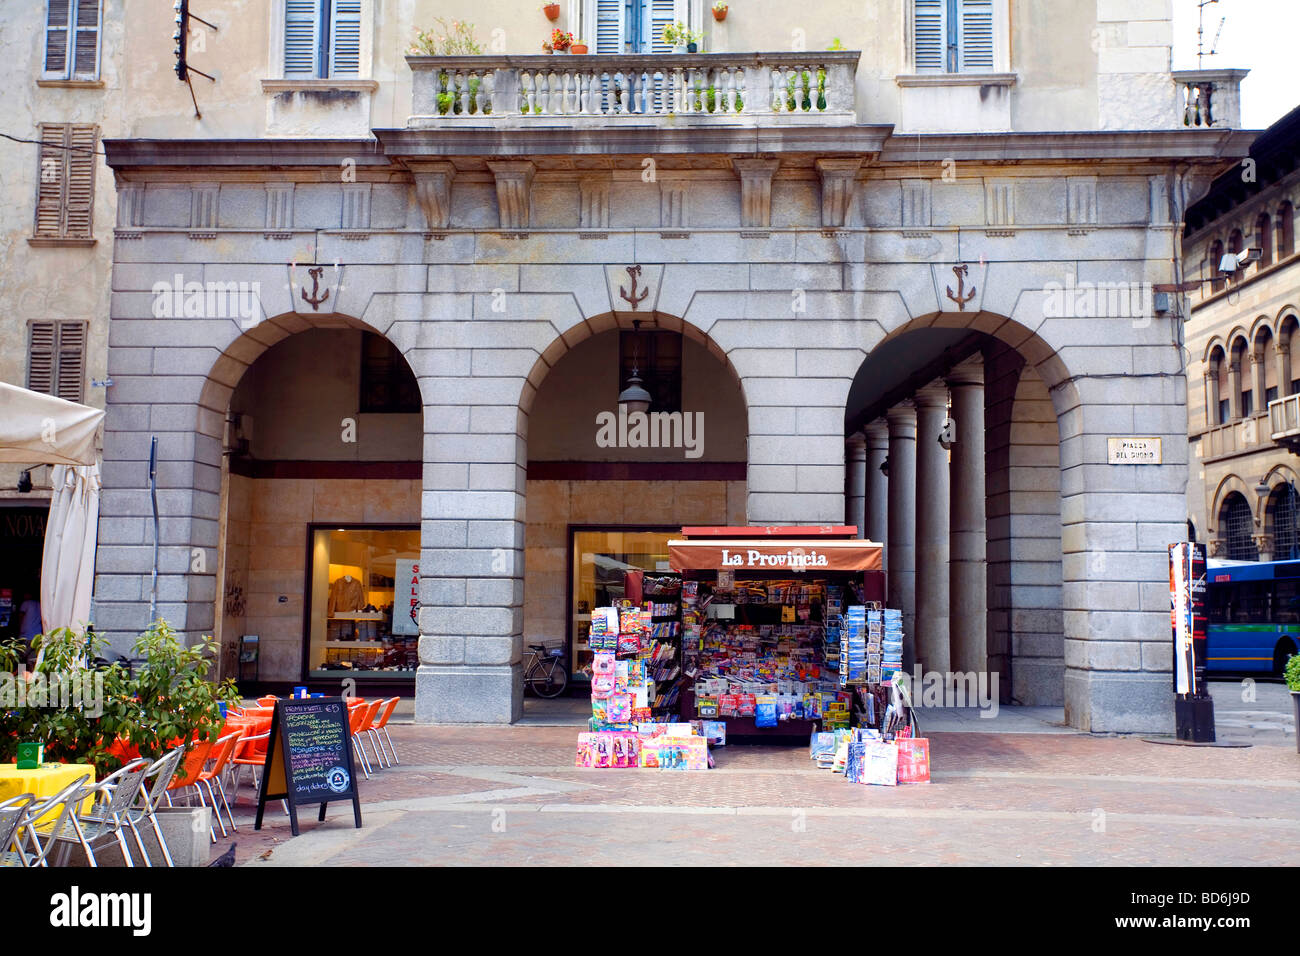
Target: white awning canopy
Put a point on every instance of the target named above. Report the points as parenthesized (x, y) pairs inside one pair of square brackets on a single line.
[(39, 429)]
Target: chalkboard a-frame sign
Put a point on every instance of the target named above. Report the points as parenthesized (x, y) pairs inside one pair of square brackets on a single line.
[(309, 758)]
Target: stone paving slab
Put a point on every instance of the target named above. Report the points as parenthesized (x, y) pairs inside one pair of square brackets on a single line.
[(511, 796)]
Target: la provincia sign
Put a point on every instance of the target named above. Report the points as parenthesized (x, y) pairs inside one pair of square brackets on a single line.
[(753, 558)]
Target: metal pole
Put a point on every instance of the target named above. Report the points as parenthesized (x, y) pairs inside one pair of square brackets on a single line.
[(153, 497)]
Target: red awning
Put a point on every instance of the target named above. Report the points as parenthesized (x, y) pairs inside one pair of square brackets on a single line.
[(788, 555)]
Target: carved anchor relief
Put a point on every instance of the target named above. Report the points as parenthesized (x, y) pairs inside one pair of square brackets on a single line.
[(633, 299), (314, 300), (960, 273)]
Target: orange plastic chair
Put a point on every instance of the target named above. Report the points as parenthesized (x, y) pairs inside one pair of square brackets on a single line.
[(359, 719), (267, 701), (378, 727), (222, 751), (187, 774)]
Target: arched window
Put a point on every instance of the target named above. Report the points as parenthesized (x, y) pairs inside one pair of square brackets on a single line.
[(1282, 515), (1239, 528), (1216, 256), (1264, 240), (1285, 231)]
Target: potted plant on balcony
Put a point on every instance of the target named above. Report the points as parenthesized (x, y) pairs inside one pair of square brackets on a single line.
[(552, 11), (719, 11), (676, 35), (1292, 675), (578, 49), (693, 41), (561, 40)]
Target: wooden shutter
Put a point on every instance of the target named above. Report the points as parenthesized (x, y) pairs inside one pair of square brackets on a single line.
[(930, 31), (71, 371), (659, 14), (85, 47), (345, 38), (975, 35), (301, 22), (57, 32), (80, 199), (609, 26), (40, 357), (52, 180)]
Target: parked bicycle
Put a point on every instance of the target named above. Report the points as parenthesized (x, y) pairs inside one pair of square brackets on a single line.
[(545, 673)]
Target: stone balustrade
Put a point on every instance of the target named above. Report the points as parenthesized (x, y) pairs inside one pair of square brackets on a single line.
[(741, 89), (1210, 98), (1284, 421)]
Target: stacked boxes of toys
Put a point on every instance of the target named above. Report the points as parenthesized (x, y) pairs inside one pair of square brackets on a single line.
[(624, 731)]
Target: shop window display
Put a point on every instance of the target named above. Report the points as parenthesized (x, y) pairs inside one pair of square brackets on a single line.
[(364, 587)]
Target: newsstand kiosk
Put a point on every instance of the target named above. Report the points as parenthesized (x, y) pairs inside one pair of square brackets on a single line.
[(762, 611)]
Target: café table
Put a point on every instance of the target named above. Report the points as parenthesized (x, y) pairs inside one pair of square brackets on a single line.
[(44, 781)]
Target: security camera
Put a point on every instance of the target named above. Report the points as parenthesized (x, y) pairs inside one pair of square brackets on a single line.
[(1253, 254)]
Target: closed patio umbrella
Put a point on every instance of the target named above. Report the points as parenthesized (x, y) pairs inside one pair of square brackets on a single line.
[(68, 564)]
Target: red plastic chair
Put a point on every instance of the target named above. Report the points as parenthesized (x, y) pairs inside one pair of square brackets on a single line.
[(359, 718), (187, 774), (222, 751), (379, 726)]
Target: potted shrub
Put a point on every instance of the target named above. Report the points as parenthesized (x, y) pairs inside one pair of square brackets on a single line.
[(552, 11), (1292, 675), (719, 11), (693, 41), (676, 35), (546, 47), (561, 40), (578, 49)]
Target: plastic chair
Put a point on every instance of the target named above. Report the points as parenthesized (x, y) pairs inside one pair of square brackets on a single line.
[(268, 701), (65, 802), (357, 719), (105, 820), (367, 723), (187, 775), (250, 752), (378, 728), (222, 751), (161, 771), (12, 813)]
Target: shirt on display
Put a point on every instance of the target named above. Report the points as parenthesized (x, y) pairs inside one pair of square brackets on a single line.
[(346, 595)]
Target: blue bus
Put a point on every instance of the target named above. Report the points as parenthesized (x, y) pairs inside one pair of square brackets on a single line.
[(1253, 615)]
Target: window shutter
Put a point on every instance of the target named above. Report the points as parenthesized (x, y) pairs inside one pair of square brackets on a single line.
[(660, 14), (930, 31), (40, 358), (975, 39), (85, 58), (72, 361), (345, 38), (609, 26), (52, 180), (80, 199), (57, 29), (300, 26)]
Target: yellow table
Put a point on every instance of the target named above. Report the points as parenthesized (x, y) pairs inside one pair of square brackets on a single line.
[(44, 781)]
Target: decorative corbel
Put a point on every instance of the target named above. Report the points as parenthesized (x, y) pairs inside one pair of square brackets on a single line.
[(514, 192), (755, 191), (838, 178), (433, 191)]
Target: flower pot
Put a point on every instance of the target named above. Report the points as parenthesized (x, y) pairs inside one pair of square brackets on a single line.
[(692, 48), (1295, 703), (679, 48), (720, 15), (578, 49), (552, 11)]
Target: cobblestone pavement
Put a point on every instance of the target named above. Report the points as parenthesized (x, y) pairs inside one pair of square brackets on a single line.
[(511, 796)]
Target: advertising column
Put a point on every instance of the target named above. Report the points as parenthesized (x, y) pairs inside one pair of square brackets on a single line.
[(1193, 707)]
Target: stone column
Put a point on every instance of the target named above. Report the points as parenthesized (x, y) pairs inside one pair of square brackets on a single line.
[(1257, 380), (932, 490), (901, 534), (1212, 396), (877, 504), (855, 454), (1282, 360), (1264, 545), (1234, 388), (968, 544)]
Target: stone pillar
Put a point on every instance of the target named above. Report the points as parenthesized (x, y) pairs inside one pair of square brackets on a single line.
[(1257, 380), (877, 504), (855, 453), (1234, 388), (901, 534), (932, 490), (1282, 360), (1212, 396), (968, 544), (1264, 545)]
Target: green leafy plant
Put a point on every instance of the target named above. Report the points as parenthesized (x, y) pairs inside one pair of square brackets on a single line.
[(836, 46), (450, 39), (679, 34), (709, 100), (799, 91), (1292, 673), (450, 101)]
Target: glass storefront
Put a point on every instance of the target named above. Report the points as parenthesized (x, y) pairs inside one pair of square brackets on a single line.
[(364, 589), (600, 557)]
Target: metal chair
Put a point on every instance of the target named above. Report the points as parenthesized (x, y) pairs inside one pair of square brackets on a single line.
[(12, 813), (65, 802), (106, 819), (161, 772)]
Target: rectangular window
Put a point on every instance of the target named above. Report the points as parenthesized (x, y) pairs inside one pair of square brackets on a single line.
[(361, 616), (1224, 412), (71, 40), (1270, 394), (1247, 404), (387, 384), (56, 359), (656, 357), (65, 191), (322, 38), (953, 36)]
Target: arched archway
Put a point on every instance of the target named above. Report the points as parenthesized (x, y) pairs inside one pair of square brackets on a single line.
[(320, 424)]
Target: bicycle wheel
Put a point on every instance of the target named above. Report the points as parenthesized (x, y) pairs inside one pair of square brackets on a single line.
[(550, 678)]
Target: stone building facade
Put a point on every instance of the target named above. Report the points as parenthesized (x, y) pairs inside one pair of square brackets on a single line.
[(850, 247)]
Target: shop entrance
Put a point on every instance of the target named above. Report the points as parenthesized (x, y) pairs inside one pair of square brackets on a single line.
[(22, 543), (320, 537)]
